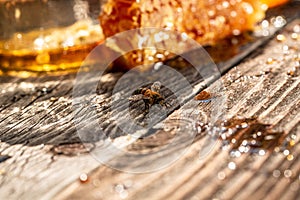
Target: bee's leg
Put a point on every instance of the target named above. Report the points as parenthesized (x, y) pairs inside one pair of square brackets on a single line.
[(147, 107), (147, 104)]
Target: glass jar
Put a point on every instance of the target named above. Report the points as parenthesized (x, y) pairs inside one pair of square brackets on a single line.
[(47, 35)]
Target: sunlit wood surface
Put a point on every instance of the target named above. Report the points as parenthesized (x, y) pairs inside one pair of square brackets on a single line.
[(41, 155)]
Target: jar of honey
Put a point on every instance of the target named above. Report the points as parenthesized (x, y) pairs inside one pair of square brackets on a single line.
[(47, 35)]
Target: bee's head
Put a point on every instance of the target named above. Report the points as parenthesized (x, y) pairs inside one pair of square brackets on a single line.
[(139, 91)]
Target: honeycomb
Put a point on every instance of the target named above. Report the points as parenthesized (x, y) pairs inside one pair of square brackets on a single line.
[(202, 20), (206, 21)]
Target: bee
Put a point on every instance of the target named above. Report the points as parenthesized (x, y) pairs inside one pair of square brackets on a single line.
[(149, 96)]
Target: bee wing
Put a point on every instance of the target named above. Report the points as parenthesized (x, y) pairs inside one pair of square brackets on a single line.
[(156, 86), (136, 97)]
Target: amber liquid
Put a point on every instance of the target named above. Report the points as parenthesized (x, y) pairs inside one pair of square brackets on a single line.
[(53, 60), (58, 49)]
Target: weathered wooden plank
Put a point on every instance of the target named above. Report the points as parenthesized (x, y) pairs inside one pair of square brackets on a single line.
[(27, 123), (272, 96), (21, 97), (32, 170)]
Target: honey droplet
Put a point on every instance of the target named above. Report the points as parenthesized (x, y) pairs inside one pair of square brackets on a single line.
[(288, 173), (276, 173), (290, 157), (232, 165), (292, 143), (280, 38), (221, 175), (248, 135), (270, 61), (286, 152), (83, 178), (296, 28), (294, 36), (203, 95)]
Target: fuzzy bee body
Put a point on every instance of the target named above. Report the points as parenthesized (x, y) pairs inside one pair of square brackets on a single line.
[(149, 96)]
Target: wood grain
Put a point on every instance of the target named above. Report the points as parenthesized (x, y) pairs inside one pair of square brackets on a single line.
[(253, 88), (37, 130)]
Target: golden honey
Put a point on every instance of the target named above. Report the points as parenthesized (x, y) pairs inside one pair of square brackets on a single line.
[(50, 50)]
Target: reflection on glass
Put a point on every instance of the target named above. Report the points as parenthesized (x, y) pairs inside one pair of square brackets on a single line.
[(47, 35)]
